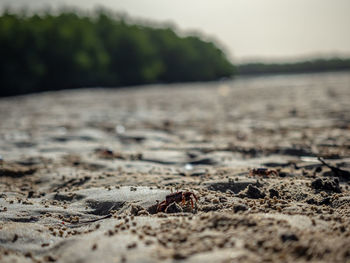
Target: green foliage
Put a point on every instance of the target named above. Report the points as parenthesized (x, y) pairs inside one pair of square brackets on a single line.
[(48, 52), (316, 65)]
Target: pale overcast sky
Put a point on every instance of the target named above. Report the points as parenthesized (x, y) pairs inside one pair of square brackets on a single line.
[(265, 29)]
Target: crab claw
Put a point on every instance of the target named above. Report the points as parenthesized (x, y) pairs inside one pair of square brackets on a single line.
[(183, 202)]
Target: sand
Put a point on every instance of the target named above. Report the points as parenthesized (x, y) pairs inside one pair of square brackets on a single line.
[(82, 172)]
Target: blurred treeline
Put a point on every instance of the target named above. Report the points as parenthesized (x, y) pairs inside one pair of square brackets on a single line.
[(315, 65), (70, 50)]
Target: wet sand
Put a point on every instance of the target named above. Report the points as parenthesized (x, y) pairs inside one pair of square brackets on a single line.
[(82, 172)]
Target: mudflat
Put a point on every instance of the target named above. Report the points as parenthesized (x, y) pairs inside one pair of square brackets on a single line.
[(250, 170)]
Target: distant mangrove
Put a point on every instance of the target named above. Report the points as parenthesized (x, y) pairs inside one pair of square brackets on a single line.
[(70, 50), (307, 66)]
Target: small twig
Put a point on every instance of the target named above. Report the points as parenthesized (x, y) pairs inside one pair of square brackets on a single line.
[(73, 182), (337, 171), (90, 221), (64, 184)]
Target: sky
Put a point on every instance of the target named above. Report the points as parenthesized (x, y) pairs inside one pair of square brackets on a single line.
[(266, 30)]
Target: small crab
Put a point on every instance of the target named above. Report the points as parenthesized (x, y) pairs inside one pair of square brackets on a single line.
[(263, 172), (176, 197)]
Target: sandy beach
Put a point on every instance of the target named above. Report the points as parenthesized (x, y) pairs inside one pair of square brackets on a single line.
[(86, 175)]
